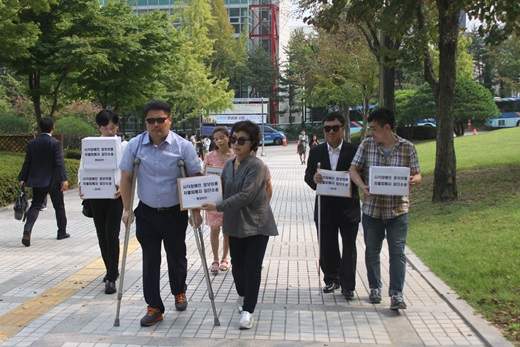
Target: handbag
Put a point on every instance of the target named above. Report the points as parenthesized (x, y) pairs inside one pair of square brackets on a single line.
[(21, 205), (87, 209)]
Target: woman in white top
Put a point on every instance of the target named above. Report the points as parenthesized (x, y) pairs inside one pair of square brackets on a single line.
[(107, 212)]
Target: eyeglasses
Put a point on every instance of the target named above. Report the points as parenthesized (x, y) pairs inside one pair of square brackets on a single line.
[(152, 121), (240, 141), (334, 128)]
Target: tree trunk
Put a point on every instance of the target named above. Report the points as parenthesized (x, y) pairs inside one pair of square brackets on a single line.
[(445, 177), (459, 128), (386, 74), (344, 110), (34, 91)]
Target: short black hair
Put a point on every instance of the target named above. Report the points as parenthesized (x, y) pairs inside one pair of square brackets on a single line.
[(106, 116), (157, 105), (332, 116), (46, 125), (382, 116), (251, 129)]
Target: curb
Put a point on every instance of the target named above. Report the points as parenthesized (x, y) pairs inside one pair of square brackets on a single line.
[(488, 333)]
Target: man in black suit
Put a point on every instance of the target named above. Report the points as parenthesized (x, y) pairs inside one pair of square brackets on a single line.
[(337, 213), (44, 171)]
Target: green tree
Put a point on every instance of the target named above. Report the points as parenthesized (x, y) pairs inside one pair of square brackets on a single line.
[(229, 58), (62, 47), (192, 89), (472, 101), (129, 53)]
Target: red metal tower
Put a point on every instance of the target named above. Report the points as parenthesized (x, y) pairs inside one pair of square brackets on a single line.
[(264, 32)]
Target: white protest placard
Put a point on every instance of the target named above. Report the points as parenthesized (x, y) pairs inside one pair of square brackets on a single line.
[(198, 190), (335, 183), (101, 153), (98, 184), (213, 170), (389, 180)]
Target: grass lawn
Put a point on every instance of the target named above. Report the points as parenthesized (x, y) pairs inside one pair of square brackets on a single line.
[(473, 244)]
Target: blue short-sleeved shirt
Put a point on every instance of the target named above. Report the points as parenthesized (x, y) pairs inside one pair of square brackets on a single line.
[(158, 170)]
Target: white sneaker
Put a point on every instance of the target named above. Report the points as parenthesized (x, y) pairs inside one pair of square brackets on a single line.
[(240, 304), (246, 320)]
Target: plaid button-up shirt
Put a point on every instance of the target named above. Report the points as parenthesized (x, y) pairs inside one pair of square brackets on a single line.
[(370, 154)]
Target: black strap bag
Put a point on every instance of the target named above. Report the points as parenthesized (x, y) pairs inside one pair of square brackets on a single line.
[(21, 205), (87, 209)]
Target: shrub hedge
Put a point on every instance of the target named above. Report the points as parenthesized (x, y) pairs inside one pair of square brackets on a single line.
[(11, 165)]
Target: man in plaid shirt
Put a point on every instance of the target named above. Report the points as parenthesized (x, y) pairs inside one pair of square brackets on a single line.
[(384, 214)]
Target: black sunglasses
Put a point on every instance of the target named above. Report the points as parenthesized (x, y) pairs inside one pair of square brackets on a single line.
[(239, 141), (160, 120), (334, 128)]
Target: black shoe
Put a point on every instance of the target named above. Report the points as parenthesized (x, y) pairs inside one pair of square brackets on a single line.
[(153, 315), (110, 287), (348, 294), (63, 236), (375, 296), (330, 287), (26, 239), (397, 302), (104, 279)]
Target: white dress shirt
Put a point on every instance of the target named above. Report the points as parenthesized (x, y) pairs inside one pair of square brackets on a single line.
[(334, 155)]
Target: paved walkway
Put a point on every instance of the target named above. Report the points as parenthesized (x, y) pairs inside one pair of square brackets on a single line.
[(51, 293)]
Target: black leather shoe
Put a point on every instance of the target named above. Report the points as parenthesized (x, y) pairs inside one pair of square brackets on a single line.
[(26, 239), (110, 287), (63, 236), (348, 294), (330, 287)]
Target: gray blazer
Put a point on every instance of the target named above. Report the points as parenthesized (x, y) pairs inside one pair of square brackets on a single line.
[(246, 206)]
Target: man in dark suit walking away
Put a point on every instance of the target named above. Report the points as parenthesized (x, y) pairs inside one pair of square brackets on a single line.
[(337, 213), (44, 171)]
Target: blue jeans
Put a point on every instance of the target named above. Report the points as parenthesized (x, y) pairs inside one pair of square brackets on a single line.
[(374, 234)]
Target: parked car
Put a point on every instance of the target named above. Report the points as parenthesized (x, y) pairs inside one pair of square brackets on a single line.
[(273, 136), (505, 120), (426, 122)]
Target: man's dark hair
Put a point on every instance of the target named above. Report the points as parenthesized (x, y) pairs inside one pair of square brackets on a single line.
[(382, 116), (46, 125), (332, 116), (106, 116), (157, 105), (251, 129)]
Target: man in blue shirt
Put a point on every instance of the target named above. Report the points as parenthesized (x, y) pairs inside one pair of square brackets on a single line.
[(158, 215)]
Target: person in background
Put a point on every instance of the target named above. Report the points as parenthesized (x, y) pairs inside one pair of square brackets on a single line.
[(107, 213), (303, 140), (217, 158), (44, 171), (314, 141), (248, 218)]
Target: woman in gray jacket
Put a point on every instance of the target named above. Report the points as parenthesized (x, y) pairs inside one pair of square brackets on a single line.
[(248, 218)]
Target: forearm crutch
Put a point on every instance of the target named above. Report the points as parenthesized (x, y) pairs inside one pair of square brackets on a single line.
[(199, 240), (128, 225)]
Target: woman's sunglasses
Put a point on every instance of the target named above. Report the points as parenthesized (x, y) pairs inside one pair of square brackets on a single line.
[(239, 141)]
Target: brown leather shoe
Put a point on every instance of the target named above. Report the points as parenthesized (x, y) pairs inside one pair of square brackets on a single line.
[(181, 302), (153, 316), (26, 239)]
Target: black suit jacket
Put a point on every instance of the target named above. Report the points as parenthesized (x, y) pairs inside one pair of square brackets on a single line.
[(334, 208), (43, 163)]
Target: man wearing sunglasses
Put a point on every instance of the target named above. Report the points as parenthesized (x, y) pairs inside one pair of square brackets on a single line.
[(158, 216), (337, 213)]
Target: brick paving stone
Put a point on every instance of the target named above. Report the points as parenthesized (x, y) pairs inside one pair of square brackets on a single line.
[(291, 306)]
